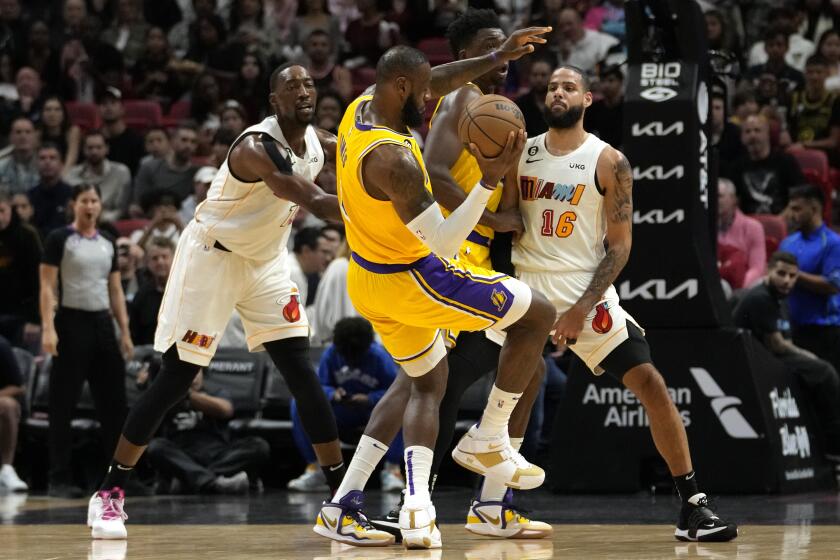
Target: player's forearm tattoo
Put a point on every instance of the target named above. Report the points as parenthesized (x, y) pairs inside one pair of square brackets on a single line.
[(606, 273), (449, 77), (621, 207)]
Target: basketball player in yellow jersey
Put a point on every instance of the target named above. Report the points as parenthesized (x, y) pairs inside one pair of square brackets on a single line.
[(401, 279), (454, 172)]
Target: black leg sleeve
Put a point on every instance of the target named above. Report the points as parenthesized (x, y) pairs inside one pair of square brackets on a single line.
[(291, 356), (473, 356), (169, 388)]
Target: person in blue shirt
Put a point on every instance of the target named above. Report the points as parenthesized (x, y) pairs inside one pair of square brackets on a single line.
[(354, 372), (815, 300)]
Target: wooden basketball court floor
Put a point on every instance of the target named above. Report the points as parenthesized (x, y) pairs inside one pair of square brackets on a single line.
[(277, 526)]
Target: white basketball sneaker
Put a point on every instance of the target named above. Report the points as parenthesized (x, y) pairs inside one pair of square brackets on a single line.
[(418, 526), (495, 458), (106, 516), (343, 521), (503, 519)]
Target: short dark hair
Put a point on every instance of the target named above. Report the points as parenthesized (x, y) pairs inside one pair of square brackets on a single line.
[(352, 338), (775, 32), (277, 71), (807, 192), (93, 132), (156, 129), (783, 256), (817, 60), (742, 97), (187, 124), (307, 237), (49, 146), (584, 77), (224, 136), (465, 27), (316, 32), (612, 70), (161, 242), (399, 61), (82, 188), (338, 228)]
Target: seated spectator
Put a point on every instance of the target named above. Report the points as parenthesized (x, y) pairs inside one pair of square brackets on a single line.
[(814, 18), (325, 72), (732, 267), (814, 114), (721, 35), (332, 302), (196, 448), (20, 255), (175, 172), (329, 110), (762, 177), (23, 208), (55, 127), (182, 32), (209, 47), (762, 309), (222, 141), (608, 17), (248, 25), (355, 372), (369, 35), (829, 49), (312, 16), (112, 178), (51, 196), (206, 101), (744, 105), (157, 144), (19, 168), (788, 78), (158, 75), (532, 102), (162, 209), (308, 261), (39, 55), (579, 46), (604, 117), (784, 19), (251, 85), (333, 235), (233, 117), (815, 301), (201, 184), (128, 257), (143, 311), (28, 103), (127, 32), (11, 390), (124, 144), (742, 232), (726, 135)]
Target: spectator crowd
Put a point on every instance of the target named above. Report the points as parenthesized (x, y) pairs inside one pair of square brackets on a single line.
[(135, 103)]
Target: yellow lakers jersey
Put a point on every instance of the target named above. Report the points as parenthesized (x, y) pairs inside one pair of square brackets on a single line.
[(466, 173), (374, 230)]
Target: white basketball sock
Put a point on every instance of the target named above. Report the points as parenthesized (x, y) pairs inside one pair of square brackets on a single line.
[(368, 454), (418, 466), (492, 490), (500, 405)]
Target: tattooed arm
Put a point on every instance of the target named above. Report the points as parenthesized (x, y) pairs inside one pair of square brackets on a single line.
[(616, 178)]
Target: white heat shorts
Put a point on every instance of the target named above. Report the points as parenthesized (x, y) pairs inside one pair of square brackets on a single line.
[(605, 326), (206, 284)]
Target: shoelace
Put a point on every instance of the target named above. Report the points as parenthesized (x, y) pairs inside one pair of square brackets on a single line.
[(360, 518), (113, 509)]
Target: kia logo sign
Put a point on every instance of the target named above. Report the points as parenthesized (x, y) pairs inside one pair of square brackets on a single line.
[(658, 173), (659, 94), (658, 128), (654, 217), (657, 289)]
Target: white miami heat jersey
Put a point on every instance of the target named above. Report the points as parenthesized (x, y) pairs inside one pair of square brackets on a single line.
[(562, 208), (248, 218)]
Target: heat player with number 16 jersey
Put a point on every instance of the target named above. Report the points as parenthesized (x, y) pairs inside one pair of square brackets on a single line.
[(562, 206)]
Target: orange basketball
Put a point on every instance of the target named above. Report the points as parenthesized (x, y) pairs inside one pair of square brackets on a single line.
[(487, 121)]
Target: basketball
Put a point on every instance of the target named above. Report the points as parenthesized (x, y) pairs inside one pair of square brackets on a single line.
[(487, 121)]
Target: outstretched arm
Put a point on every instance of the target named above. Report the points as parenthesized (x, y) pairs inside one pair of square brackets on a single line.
[(451, 76), (250, 161), (616, 178)]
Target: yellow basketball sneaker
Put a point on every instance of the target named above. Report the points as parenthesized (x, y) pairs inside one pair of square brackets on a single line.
[(418, 526), (344, 522), (503, 519), (495, 458)]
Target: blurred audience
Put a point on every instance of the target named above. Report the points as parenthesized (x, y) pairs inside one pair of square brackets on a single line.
[(112, 178), (742, 233)]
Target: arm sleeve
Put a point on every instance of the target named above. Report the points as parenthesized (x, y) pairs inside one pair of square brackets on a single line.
[(445, 236), (324, 369), (54, 248)]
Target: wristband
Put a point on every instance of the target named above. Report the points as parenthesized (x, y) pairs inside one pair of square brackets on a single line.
[(486, 186)]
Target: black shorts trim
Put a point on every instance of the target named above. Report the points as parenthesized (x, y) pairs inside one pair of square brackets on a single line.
[(633, 352)]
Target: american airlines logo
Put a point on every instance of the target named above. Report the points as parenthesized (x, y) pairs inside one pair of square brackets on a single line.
[(725, 407), (657, 289), (658, 173), (658, 128), (654, 217)]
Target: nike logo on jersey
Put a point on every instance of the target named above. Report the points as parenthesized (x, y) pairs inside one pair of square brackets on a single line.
[(529, 160)]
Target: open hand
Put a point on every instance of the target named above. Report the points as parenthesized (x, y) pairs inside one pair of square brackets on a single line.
[(521, 42), (493, 169)]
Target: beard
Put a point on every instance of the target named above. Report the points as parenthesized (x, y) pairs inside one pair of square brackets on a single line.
[(565, 120), (411, 115)]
